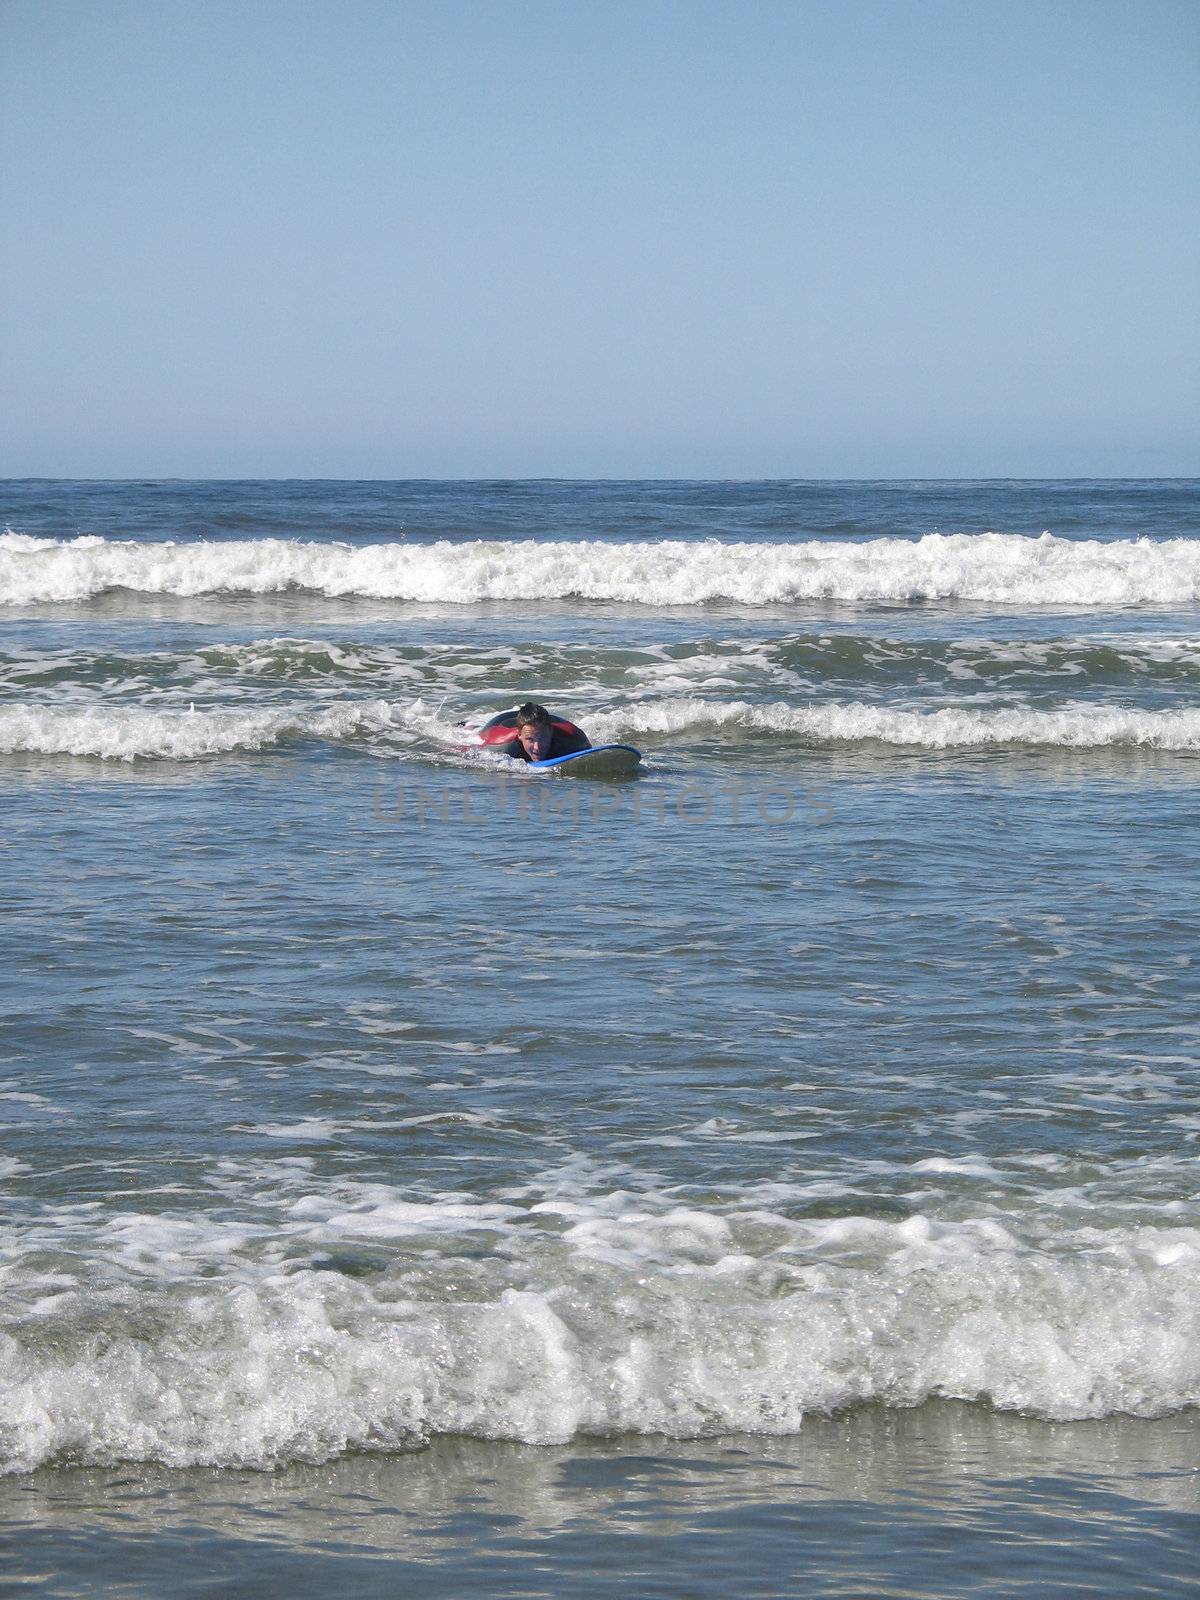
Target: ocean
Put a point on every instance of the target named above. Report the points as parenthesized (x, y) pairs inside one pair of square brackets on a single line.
[(775, 1175)]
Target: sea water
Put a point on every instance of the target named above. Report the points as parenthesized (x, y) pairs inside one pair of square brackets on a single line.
[(773, 1175)]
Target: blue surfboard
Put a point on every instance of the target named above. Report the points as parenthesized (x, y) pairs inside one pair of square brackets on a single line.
[(601, 761)]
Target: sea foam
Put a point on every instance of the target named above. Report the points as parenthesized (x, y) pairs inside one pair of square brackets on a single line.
[(1004, 569), (1075, 727), (128, 733), (193, 1341)]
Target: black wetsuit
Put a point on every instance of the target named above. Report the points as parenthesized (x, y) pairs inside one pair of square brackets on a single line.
[(561, 744)]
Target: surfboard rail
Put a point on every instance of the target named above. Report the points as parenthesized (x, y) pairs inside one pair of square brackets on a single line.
[(600, 761)]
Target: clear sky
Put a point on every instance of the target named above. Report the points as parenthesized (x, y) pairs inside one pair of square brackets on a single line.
[(609, 238)]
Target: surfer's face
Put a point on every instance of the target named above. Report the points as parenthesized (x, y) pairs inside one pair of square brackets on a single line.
[(535, 739)]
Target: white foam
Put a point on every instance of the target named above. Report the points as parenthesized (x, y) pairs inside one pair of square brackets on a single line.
[(308, 1128), (124, 733), (236, 1341), (959, 1166), (1080, 726), (1005, 569)]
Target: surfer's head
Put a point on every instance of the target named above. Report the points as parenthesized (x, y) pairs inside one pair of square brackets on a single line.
[(534, 730)]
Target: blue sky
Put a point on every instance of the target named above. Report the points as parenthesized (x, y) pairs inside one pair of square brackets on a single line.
[(673, 238)]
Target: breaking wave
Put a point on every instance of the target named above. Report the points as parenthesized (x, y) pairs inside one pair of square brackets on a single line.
[(1004, 569), (204, 1343), (127, 733), (1078, 727)]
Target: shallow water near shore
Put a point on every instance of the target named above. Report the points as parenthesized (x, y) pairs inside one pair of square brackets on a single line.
[(774, 1175), (944, 1501)]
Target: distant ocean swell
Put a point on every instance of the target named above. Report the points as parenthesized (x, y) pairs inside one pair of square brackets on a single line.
[(674, 1321), (1003, 569)]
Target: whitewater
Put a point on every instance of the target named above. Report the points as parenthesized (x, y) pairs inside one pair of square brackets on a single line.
[(746, 1321), (1004, 569), (121, 733)]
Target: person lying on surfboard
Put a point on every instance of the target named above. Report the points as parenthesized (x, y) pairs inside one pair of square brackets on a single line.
[(530, 733)]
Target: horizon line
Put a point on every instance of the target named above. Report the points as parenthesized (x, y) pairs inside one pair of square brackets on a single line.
[(494, 478)]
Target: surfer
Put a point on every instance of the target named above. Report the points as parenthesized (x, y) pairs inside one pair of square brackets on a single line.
[(530, 733)]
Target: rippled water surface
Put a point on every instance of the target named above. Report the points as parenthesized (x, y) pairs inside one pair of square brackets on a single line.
[(782, 1164)]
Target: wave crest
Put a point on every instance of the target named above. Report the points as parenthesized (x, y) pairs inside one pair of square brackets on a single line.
[(1078, 727), (126, 733), (669, 1321), (1003, 569)]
